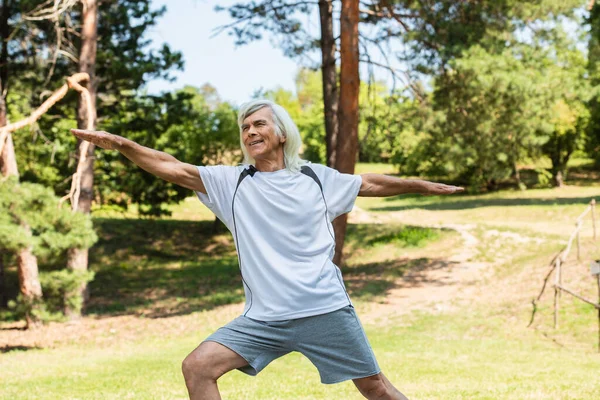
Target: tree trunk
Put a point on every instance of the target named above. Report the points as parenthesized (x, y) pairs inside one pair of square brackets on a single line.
[(558, 179), (8, 163), (517, 175), (29, 283), (559, 167), (8, 160), (347, 140), (329, 78), (78, 258), (3, 298), (4, 171)]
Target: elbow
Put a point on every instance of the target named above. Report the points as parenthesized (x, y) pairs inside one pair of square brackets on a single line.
[(368, 188)]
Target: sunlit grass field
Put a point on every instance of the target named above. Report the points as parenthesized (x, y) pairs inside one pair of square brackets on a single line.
[(163, 285), (455, 356)]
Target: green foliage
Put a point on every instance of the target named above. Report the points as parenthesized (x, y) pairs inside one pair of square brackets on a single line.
[(61, 296), (310, 119), (593, 69), (281, 17), (484, 127), (22, 307), (62, 290), (407, 237), (30, 216), (125, 62), (493, 109), (191, 124)]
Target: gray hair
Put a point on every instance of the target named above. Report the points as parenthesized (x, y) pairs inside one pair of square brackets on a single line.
[(284, 126)]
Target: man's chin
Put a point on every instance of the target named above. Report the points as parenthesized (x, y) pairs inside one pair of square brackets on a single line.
[(257, 156)]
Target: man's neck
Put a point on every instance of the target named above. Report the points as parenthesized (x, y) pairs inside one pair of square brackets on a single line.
[(270, 164)]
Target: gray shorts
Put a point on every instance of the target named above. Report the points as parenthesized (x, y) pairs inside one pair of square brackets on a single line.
[(334, 342)]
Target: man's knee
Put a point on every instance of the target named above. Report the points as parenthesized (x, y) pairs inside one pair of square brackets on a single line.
[(372, 387), (196, 365), (378, 389)]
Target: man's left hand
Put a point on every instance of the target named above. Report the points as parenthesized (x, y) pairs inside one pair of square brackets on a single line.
[(440, 189)]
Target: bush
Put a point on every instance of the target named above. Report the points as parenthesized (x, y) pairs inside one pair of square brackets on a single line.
[(62, 290)]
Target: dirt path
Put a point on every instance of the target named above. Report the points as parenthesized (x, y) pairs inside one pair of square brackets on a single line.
[(438, 286)]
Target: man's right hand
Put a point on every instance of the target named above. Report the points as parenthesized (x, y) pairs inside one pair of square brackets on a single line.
[(99, 138)]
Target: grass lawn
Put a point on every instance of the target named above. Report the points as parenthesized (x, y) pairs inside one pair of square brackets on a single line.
[(453, 356), (163, 285)]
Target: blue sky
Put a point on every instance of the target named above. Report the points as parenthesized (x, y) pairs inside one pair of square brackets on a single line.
[(236, 73)]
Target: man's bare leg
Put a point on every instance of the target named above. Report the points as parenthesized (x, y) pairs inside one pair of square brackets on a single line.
[(203, 366), (378, 387)]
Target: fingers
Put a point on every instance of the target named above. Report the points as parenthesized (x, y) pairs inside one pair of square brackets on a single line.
[(453, 189), (84, 134), (99, 138), (446, 189)]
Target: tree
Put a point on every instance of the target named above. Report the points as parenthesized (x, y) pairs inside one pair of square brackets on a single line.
[(329, 79), (125, 62), (122, 26), (30, 219), (593, 70), (78, 257), (347, 140), (192, 124), (29, 285)]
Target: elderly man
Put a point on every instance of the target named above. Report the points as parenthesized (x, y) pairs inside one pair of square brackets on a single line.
[(279, 210)]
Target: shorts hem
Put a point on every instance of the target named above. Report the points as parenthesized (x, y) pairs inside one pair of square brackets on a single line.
[(350, 378), (251, 373)]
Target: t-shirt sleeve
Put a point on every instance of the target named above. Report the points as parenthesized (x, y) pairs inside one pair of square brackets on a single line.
[(220, 182), (340, 190)]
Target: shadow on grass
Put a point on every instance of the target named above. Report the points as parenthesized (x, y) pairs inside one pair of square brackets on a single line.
[(455, 203), (8, 349), (374, 280), (163, 268)]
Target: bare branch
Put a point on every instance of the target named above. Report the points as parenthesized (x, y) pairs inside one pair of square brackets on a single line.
[(222, 28), (76, 182), (42, 12), (590, 302), (73, 82), (390, 10)]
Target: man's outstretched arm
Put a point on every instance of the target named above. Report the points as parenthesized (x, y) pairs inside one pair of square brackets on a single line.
[(156, 162), (377, 185)]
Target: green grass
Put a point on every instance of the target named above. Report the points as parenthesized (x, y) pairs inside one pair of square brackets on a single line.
[(540, 210), (170, 276), (376, 168), (454, 356)]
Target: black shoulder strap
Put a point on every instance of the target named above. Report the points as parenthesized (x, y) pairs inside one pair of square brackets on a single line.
[(251, 170), (305, 169)]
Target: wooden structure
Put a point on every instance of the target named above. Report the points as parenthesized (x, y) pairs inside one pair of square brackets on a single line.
[(556, 268)]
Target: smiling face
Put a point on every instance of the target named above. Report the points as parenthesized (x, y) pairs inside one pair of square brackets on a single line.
[(259, 137)]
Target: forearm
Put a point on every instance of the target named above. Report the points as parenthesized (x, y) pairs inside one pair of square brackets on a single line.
[(155, 162), (377, 185)]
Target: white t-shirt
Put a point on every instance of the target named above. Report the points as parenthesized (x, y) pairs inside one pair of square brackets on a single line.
[(281, 225)]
